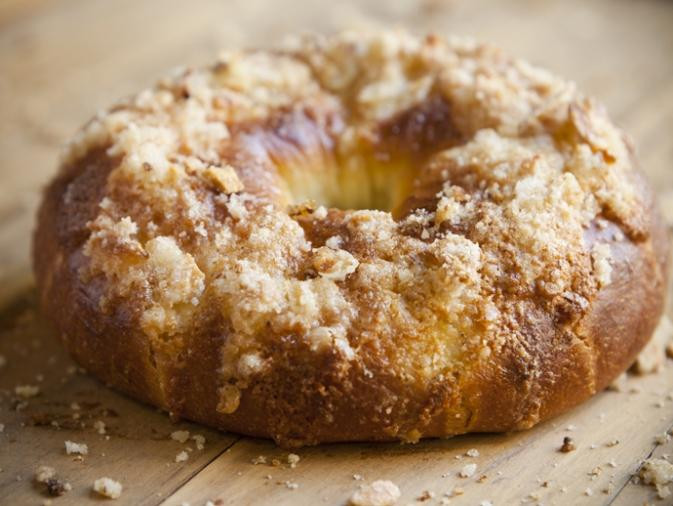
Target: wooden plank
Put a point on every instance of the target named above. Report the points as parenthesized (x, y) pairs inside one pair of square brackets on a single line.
[(516, 466), (59, 62), (136, 448)]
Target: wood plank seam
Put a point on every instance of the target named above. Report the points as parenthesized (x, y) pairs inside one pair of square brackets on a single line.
[(635, 473), (198, 471)]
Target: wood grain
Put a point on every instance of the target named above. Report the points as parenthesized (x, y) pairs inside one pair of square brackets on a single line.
[(60, 61)]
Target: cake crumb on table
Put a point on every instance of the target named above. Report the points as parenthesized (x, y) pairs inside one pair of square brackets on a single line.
[(659, 473), (26, 391), (181, 436), (107, 487), (99, 425), (468, 470), (76, 448), (200, 441), (379, 493), (568, 445), (293, 460), (44, 473), (425, 495), (182, 456)]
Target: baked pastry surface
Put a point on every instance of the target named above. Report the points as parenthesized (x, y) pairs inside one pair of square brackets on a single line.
[(368, 236)]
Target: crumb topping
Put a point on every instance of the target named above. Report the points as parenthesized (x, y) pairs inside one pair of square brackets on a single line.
[(365, 194), (108, 487), (378, 493)]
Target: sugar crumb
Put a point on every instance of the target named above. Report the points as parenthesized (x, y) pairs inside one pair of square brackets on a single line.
[(76, 448), (181, 436), (293, 460), (568, 445), (108, 487), (27, 391), (379, 493), (468, 470)]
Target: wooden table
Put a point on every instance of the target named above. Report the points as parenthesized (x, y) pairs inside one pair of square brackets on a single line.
[(61, 61)]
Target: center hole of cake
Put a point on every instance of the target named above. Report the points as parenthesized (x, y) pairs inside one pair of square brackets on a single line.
[(353, 186)]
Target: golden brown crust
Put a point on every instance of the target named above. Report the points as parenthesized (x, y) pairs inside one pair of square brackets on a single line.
[(516, 266)]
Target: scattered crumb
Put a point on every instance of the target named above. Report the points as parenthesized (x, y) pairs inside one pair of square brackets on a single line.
[(568, 445), (200, 441), (612, 463), (292, 485), (533, 496), (293, 460), (472, 452), (379, 493), (99, 425), (612, 442), (588, 492), (108, 487), (358, 477), (56, 487), (181, 436), (425, 496), (260, 459), (468, 470), (44, 473), (182, 456), (662, 439), (657, 472), (26, 391), (76, 448), (486, 502), (571, 428)]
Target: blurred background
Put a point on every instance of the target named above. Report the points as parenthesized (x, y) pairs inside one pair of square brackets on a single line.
[(61, 60)]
